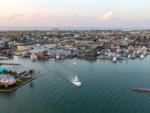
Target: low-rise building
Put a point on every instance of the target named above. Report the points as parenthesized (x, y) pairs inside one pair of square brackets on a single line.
[(7, 80)]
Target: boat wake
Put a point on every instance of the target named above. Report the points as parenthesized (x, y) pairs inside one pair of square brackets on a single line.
[(74, 63), (75, 81), (69, 74)]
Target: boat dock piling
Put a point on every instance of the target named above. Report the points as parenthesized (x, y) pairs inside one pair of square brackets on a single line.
[(8, 64)]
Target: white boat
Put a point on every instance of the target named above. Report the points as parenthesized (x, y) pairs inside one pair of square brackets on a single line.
[(129, 56), (76, 81), (142, 56), (114, 59), (57, 56), (33, 57)]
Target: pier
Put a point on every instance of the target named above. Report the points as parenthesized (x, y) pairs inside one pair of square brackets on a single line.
[(147, 90), (9, 64)]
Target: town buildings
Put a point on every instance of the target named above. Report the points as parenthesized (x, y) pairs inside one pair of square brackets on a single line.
[(77, 43)]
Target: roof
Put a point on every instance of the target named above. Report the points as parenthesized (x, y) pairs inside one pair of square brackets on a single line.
[(18, 69), (2, 69), (5, 76)]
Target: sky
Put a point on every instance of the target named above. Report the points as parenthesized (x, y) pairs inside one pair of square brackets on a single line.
[(75, 13)]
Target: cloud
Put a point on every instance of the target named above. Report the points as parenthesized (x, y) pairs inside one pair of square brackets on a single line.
[(13, 16), (36, 15), (108, 15), (105, 19)]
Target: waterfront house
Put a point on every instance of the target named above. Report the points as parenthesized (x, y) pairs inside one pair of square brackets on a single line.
[(142, 49), (24, 46), (131, 48), (18, 70), (123, 44), (40, 52), (7, 80), (87, 53)]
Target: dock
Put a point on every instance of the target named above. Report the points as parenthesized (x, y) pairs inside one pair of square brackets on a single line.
[(147, 90), (9, 64)]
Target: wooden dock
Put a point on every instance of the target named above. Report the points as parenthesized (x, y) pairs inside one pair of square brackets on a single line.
[(147, 90), (8, 64)]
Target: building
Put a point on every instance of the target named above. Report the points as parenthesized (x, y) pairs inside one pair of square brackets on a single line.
[(2, 69), (24, 46), (18, 70), (7, 80)]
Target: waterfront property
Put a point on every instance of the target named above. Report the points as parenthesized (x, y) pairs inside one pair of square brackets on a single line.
[(7, 80), (14, 76)]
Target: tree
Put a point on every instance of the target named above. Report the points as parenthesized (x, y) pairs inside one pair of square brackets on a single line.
[(6, 45)]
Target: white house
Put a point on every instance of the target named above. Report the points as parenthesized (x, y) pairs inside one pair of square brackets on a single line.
[(7, 80), (24, 47)]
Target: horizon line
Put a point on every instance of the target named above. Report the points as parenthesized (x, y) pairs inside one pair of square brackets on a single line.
[(33, 28)]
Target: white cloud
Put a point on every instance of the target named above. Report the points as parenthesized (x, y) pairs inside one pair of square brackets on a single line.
[(13, 16), (108, 15)]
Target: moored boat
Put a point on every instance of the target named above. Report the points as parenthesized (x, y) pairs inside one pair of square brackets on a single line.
[(33, 57), (57, 56), (141, 56), (114, 59)]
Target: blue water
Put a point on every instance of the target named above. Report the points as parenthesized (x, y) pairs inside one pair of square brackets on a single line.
[(107, 88)]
